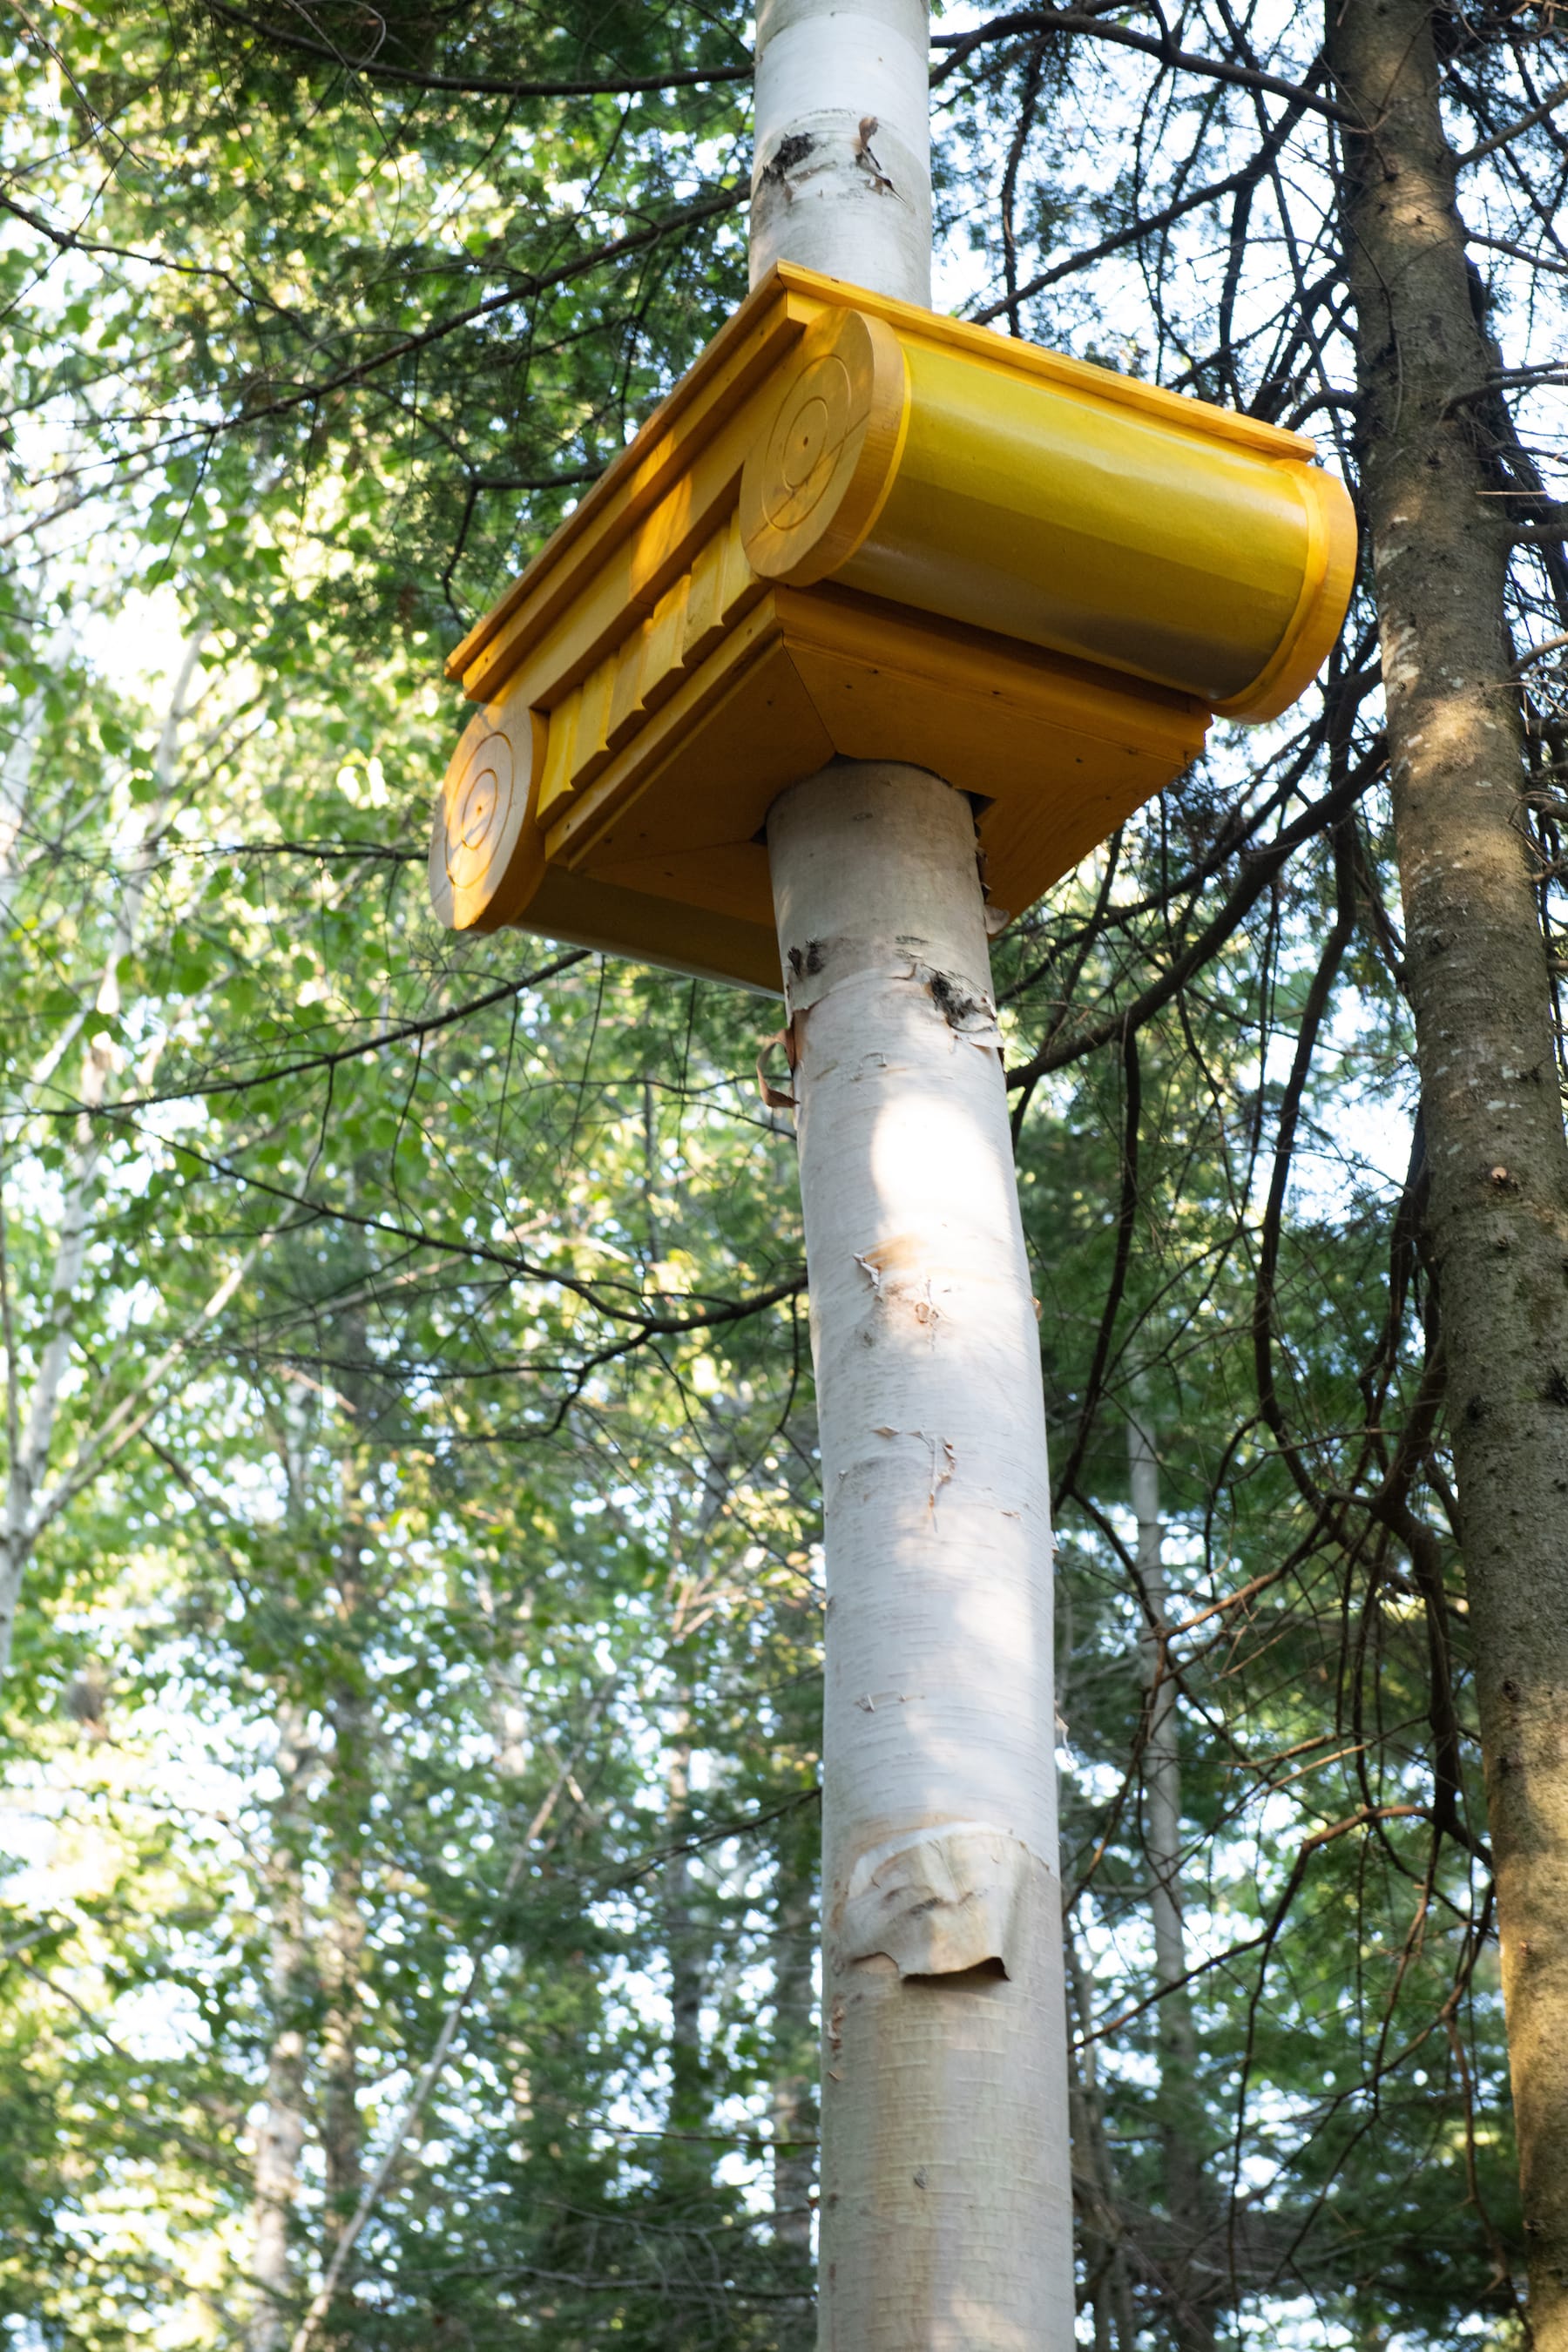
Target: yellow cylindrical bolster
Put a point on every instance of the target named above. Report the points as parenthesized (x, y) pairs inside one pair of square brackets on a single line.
[(1047, 511)]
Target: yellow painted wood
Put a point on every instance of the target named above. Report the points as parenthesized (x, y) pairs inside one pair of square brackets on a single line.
[(487, 853), (855, 528), (730, 743), (712, 943), (1052, 511), (1098, 747), (816, 483), (729, 878), (674, 730)]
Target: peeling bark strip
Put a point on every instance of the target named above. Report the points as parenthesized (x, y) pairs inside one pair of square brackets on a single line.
[(946, 2192), (938, 1902), (1479, 986)]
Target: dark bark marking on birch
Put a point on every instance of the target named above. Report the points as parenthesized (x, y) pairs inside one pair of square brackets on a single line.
[(953, 1002), (1480, 994), (788, 155)]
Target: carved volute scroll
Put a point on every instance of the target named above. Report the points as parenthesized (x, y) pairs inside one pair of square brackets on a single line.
[(813, 487), (485, 858)]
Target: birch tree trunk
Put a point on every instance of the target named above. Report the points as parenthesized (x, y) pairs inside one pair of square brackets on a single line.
[(795, 2117), (794, 2099), (841, 170), (16, 765), (32, 1410), (1477, 976), (1108, 2288), (687, 2166), (280, 2134), (342, 1936), (946, 2187), (343, 1930), (511, 1732), (1180, 2111), (346, 1808), (946, 2173)]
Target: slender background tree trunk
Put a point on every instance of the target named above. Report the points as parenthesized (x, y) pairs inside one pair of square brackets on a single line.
[(687, 2167), (32, 1418), (281, 2133), (1198, 2271), (1477, 976), (342, 1930), (511, 1733), (794, 2088), (1108, 2289)]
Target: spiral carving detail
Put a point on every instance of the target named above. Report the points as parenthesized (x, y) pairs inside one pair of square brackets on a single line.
[(477, 812), (485, 857)]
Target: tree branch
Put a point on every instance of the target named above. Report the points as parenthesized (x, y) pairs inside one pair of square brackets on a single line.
[(476, 84)]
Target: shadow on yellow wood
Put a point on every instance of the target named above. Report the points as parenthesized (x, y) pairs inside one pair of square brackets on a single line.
[(857, 528)]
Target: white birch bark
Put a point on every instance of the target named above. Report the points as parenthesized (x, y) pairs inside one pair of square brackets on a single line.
[(946, 2192), (794, 2116), (15, 778), (687, 2164), (946, 2196), (512, 1731), (30, 1501), (1106, 2284), (281, 2133), (1198, 2274), (841, 176), (509, 1726), (1162, 1763)]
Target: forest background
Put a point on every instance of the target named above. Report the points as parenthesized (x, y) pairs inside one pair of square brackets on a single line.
[(409, 1574)]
